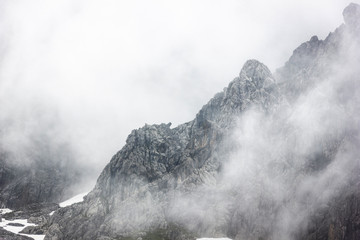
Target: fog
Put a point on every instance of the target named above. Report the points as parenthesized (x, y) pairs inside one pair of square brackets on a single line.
[(83, 74), (287, 166)]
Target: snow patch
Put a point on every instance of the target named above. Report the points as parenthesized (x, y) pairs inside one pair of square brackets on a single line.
[(5, 210), (35, 237), (76, 199), (4, 224), (15, 229), (51, 213), (213, 239)]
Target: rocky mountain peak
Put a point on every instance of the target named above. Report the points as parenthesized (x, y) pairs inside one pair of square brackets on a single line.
[(314, 38), (255, 86), (154, 184), (256, 72), (352, 16)]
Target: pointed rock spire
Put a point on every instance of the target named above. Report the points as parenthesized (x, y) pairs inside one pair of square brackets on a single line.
[(257, 73), (352, 16)]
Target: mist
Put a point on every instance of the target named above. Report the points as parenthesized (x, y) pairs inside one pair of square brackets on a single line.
[(287, 166), (83, 74)]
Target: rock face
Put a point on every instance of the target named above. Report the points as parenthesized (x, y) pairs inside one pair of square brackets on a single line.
[(32, 212), (261, 160), (158, 162), (42, 180), (6, 235), (352, 17)]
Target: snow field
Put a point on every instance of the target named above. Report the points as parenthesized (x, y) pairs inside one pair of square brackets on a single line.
[(76, 199), (4, 224)]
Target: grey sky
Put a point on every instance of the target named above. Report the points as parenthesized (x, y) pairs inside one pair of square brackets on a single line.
[(91, 71)]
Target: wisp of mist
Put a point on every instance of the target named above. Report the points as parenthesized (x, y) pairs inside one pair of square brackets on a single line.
[(287, 165)]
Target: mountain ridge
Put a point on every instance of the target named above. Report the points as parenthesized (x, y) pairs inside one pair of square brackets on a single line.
[(150, 184)]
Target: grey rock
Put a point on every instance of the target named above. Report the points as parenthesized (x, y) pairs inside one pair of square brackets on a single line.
[(16, 224), (158, 161), (316, 60), (34, 230), (6, 235), (42, 180), (34, 212), (352, 17), (161, 166)]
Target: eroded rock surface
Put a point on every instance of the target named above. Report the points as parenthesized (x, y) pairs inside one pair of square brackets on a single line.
[(134, 191), (6, 235), (304, 182)]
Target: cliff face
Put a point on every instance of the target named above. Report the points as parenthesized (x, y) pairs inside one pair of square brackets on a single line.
[(261, 160), (44, 177), (134, 191)]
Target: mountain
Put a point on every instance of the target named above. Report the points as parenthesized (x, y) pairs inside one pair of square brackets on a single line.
[(158, 162), (269, 157), (42, 174)]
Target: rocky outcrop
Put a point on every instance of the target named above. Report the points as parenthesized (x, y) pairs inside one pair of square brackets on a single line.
[(316, 60), (36, 213), (32, 212), (352, 17), (44, 172), (133, 193), (311, 62), (339, 220), (6, 235), (290, 181)]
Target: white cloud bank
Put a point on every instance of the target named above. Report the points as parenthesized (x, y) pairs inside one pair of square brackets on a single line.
[(88, 72)]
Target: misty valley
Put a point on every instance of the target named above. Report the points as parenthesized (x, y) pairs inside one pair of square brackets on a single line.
[(273, 156)]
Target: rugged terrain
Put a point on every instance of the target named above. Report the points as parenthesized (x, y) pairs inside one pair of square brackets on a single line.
[(134, 191), (272, 156), (45, 176)]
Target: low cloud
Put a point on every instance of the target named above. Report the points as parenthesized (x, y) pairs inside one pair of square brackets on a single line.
[(85, 73), (288, 166)]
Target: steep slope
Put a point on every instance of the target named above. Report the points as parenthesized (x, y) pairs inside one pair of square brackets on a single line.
[(261, 160), (340, 217), (43, 176), (315, 60), (135, 189)]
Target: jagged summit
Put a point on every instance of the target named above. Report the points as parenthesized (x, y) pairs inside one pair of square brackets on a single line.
[(255, 79), (158, 161), (256, 72), (314, 38), (352, 16), (255, 86), (144, 189), (312, 60)]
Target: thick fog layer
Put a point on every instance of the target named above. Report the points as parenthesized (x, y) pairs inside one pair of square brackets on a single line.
[(78, 76), (289, 165)]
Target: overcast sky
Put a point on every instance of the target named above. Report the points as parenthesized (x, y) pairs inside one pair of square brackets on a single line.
[(91, 71)]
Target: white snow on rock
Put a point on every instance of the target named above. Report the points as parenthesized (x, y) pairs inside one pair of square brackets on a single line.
[(5, 210), (4, 223), (16, 230), (13, 228), (213, 239), (35, 237), (76, 199)]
